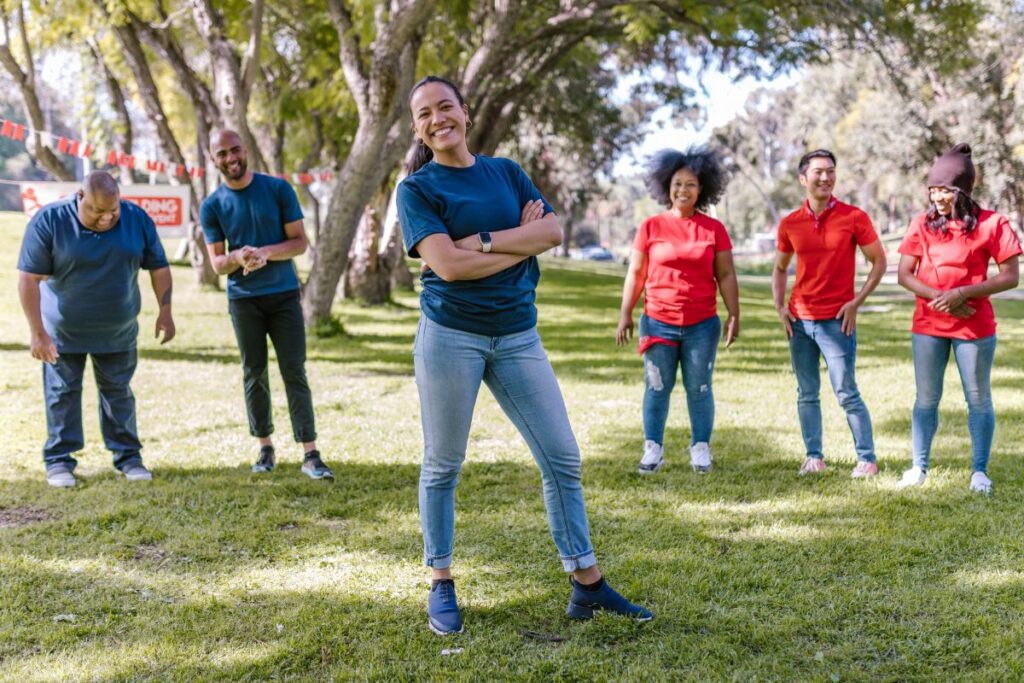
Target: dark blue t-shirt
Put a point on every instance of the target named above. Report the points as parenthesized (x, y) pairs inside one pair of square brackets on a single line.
[(253, 216), (486, 197), (91, 300)]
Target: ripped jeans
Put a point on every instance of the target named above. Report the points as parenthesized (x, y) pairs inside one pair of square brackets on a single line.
[(695, 350)]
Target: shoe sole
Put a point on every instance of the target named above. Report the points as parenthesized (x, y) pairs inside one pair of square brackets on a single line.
[(314, 475), (139, 478), (257, 469), (701, 469), (441, 632), (61, 485)]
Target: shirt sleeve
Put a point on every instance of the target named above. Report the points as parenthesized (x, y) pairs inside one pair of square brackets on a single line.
[(782, 241), (288, 201), (417, 218), (212, 230), (641, 242), (911, 244), (527, 190), (865, 230), (1004, 241), (36, 254), (153, 256), (722, 241)]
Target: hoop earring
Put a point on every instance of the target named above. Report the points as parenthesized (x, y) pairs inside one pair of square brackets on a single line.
[(420, 142), (469, 124)]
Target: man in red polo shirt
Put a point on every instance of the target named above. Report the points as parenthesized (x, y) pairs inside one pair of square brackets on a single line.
[(821, 317)]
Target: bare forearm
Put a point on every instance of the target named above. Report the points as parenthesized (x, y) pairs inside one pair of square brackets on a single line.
[(874, 279), (779, 277), (286, 250), (162, 286), (225, 264), (472, 265), (28, 293), (730, 289), (999, 282), (531, 239), (631, 290)]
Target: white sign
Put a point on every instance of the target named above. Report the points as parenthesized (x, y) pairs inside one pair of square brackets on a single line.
[(167, 205)]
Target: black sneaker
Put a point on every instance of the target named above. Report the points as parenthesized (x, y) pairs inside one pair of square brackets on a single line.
[(265, 463), (314, 468)]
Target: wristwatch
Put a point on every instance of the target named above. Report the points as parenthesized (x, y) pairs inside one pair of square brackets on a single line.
[(485, 242)]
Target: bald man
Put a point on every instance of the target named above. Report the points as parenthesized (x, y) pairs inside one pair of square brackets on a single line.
[(259, 219), (78, 283)]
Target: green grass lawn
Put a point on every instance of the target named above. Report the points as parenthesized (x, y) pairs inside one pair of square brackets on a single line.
[(211, 573)]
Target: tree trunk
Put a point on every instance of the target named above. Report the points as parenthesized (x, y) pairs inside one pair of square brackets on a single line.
[(368, 277)]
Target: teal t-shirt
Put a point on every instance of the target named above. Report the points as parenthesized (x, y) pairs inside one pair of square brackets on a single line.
[(486, 197), (90, 302), (253, 216)]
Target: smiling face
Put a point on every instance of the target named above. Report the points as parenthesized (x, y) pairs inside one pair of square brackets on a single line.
[(229, 155), (819, 179), (684, 190), (98, 211), (943, 198), (438, 119)]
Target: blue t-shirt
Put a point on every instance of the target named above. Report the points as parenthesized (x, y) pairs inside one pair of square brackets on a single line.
[(91, 300), (486, 197), (253, 216)]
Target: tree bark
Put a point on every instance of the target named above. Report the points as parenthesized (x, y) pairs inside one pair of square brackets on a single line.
[(26, 80), (124, 139)]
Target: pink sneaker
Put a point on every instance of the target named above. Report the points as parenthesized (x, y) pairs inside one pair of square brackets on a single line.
[(863, 470), (812, 466)]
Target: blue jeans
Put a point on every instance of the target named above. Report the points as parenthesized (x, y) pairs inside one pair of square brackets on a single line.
[(62, 391), (811, 340), (450, 366), (698, 344), (974, 360)]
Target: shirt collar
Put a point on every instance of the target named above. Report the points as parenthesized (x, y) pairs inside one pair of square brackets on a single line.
[(819, 219)]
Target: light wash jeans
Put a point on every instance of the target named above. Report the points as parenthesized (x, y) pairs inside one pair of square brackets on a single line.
[(450, 365), (811, 340), (974, 361), (696, 351)]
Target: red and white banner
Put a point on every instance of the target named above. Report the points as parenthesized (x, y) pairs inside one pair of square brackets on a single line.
[(167, 205)]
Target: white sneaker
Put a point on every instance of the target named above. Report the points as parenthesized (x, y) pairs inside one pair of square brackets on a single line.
[(915, 476), (137, 473), (981, 483), (700, 457), (61, 478), (654, 457)]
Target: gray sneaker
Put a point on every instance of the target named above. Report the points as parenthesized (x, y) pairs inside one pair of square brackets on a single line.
[(137, 473), (60, 477)]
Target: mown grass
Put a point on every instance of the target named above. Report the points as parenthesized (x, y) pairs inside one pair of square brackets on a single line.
[(211, 573)]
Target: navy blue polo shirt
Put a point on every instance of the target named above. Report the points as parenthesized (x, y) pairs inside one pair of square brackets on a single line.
[(91, 299), (486, 197), (253, 216)]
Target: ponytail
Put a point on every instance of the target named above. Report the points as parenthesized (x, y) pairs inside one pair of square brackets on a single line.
[(423, 154)]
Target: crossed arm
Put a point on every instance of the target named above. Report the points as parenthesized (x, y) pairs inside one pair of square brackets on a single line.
[(464, 259)]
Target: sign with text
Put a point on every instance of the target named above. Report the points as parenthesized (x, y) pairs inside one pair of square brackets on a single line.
[(167, 205)]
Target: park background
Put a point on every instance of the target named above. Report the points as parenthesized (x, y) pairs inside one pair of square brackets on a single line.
[(753, 572)]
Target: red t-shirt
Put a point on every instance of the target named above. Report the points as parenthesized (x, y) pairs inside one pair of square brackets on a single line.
[(951, 260), (681, 288), (825, 248)]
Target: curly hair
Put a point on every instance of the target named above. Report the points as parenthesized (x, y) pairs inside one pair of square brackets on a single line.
[(965, 209), (700, 160)]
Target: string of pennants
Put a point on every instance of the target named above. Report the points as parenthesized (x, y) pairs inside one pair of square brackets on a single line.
[(83, 150)]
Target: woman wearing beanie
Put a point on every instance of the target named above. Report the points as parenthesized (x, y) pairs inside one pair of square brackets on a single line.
[(945, 260), (680, 257)]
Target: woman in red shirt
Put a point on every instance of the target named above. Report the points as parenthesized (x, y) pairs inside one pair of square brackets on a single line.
[(680, 257), (945, 260)]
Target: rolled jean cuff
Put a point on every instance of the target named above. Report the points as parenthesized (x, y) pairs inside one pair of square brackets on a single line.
[(867, 458), (438, 561), (574, 562), (304, 437)]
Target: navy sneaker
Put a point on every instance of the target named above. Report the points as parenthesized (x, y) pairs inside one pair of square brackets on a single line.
[(583, 603), (315, 468), (443, 614), (265, 463)]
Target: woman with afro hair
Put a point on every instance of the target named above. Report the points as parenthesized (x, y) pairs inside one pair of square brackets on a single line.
[(681, 258)]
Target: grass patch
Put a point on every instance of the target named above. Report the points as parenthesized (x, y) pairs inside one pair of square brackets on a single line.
[(211, 573)]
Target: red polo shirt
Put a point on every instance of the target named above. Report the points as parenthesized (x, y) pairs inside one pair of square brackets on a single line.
[(951, 260), (825, 248), (681, 288)]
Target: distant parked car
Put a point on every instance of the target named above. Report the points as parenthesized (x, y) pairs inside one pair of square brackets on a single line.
[(594, 252)]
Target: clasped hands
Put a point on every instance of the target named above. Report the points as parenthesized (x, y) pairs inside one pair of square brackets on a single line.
[(250, 258), (952, 301)]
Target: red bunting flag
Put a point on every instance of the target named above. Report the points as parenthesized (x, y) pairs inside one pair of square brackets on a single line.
[(62, 145), (86, 151), (112, 158), (7, 130), (19, 132)]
